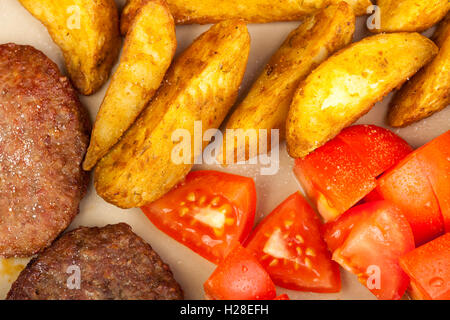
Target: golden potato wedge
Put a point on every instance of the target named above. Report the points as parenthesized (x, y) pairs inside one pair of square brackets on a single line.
[(148, 51), (359, 6), (429, 90), (87, 31), (410, 15), (267, 103), (349, 83), (201, 85), (253, 11)]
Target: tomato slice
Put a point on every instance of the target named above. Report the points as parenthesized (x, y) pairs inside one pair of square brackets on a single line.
[(283, 296), (378, 148), (334, 178), (240, 277), (428, 267), (435, 161), (289, 245), (408, 187), (209, 212), (368, 240)]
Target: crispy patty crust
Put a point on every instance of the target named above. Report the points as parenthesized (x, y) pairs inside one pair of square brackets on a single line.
[(44, 133), (112, 263)]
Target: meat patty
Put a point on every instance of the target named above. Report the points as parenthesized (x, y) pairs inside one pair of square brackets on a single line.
[(112, 263), (44, 133)]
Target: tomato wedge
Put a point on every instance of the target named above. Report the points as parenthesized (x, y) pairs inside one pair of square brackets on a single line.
[(339, 174), (409, 188), (209, 212), (368, 240), (378, 148), (289, 246), (283, 296), (240, 277), (428, 267), (420, 186), (334, 178), (435, 160)]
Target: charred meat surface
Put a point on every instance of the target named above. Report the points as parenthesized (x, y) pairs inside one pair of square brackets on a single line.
[(112, 263), (44, 133)]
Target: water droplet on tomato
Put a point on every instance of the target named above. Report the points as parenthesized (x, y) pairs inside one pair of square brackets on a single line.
[(436, 282), (244, 269)]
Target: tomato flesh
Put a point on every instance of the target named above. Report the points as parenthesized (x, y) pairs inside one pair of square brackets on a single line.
[(377, 147), (289, 245), (435, 160), (428, 267), (368, 240), (283, 296), (334, 178), (209, 212), (409, 188), (240, 277)]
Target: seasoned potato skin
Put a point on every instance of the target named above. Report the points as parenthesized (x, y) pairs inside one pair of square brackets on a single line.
[(148, 51), (349, 83), (252, 11), (201, 85), (267, 103), (429, 90), (89, 51), (410, 15)]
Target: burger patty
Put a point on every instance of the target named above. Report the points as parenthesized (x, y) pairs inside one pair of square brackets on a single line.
[(110, 262), (44, 133)]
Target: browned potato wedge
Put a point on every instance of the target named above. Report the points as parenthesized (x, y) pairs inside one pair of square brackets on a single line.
[(267, 104), (201, 85), (87, 31), (253, 11), (410, 15), (429, 90), (149, 48), (348, 84)]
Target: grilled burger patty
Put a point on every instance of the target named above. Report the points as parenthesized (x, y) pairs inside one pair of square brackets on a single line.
[(44, 133), (112, 263)]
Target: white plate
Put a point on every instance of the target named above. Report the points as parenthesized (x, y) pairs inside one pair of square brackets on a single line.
[(17, 25)]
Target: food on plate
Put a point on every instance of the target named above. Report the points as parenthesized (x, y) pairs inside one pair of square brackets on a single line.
[(429, 90), (419, 186), (201, 86), (410, 15), (288, 244), (111, 263), (209, 212), (348, 84), (148, 51), (428, 266), (252, 11), (283, 296), (87, 33), (378, 148), (43, 138), (240, 277), (435, 161), (343, 171), (267, 104), (368, 240)]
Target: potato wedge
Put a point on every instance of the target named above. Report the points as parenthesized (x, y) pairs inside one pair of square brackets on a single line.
[(349, 83), (148, 51), (201, 85), (267, 103), (429, 90), (87, 31), (410, 15), (253, 11)]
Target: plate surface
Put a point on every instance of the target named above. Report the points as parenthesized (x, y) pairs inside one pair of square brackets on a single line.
[(17, 25)]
